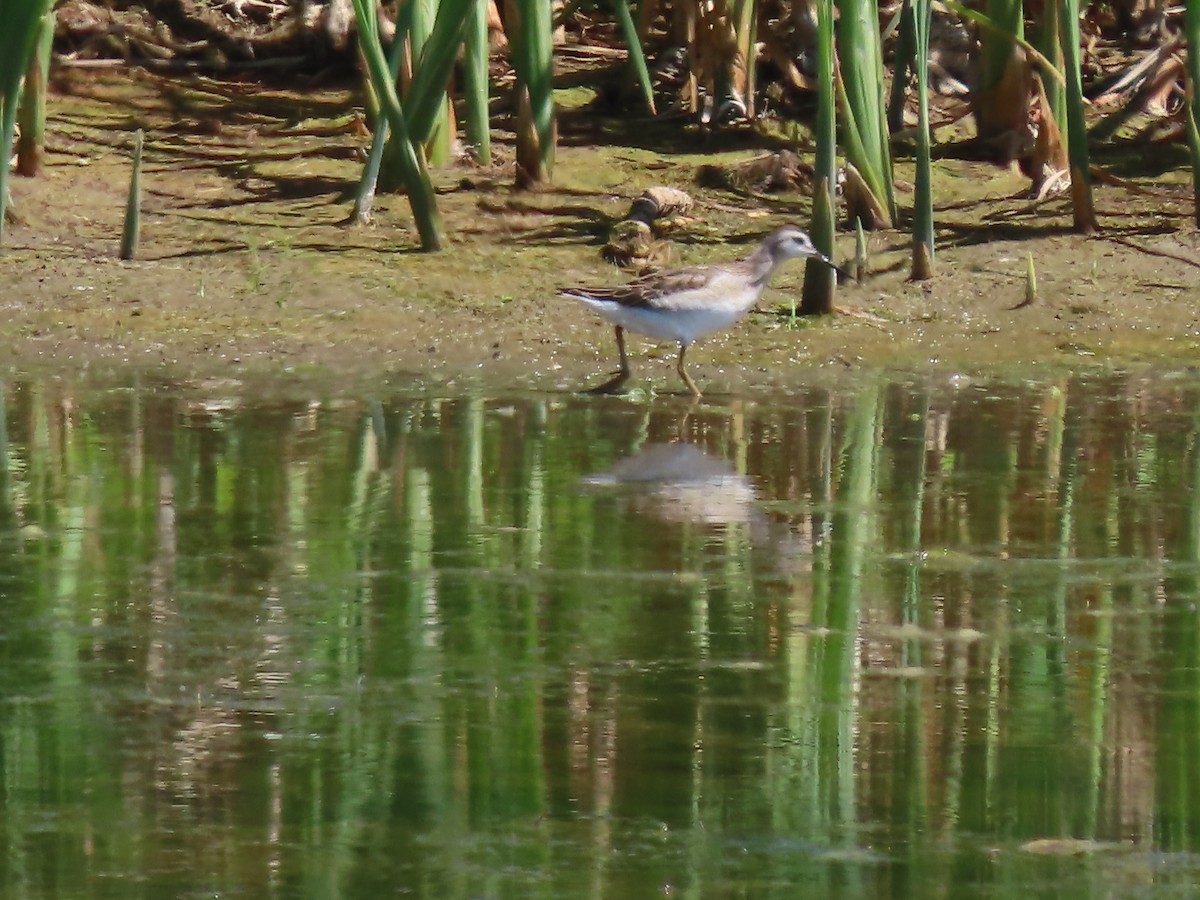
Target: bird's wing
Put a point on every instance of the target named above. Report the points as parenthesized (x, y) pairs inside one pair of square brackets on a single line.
[(649, 290)]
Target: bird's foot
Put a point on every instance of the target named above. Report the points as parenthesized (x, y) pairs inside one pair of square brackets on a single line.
[(612, 386)]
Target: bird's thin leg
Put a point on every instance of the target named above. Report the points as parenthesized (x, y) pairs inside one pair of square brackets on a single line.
[(625, 370), (687, 379), (613, 384)]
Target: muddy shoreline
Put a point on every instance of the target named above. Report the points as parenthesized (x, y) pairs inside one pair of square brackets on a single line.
[(245, 271)]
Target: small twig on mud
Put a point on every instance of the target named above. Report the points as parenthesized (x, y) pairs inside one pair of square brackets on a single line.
[(1149, 251), (854, 312), (1030, 284), (1103, 175), (184, 65)]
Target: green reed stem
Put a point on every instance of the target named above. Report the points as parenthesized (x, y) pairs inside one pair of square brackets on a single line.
[(903, 63), (923, 239), (416, 174), (860, 252), (133, 203), (745, 22), (476, 82), (533, 57), (1077, 148), (365, 197), (433, 54), (1030, 281), (995, 44), (31, 115), (1191, 24), (637, 57), (819, 280), (437, 144), (865, 131), (21, 20), (1051, 48), (426, 102), (1006, 38)]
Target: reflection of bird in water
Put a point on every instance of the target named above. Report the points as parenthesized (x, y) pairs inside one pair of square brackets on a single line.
[(680, 482)]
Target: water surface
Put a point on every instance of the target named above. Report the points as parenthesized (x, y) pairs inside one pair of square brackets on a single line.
[(925, 637)]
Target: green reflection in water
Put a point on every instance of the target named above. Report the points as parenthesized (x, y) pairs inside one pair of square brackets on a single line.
[(925, 638)]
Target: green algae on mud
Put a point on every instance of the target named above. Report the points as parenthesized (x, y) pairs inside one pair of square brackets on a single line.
[(247, 269)]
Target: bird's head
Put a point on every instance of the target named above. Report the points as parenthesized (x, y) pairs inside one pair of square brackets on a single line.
[(790, 242)]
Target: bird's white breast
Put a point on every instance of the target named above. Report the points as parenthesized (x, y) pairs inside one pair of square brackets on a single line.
[(686, 316)]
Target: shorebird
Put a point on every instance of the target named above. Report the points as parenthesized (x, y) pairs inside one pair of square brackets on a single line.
[(682, 305)]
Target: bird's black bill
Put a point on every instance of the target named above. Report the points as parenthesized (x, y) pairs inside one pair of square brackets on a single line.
[(842, 274)]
